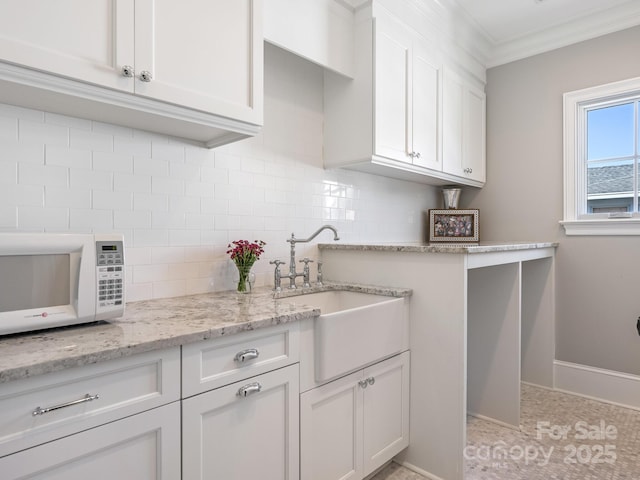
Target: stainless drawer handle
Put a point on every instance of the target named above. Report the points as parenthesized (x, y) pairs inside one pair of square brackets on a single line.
[(248, 354), (249, 389), (86, 398)]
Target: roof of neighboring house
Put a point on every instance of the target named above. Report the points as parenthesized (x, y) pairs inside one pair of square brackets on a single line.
[(610, 179)]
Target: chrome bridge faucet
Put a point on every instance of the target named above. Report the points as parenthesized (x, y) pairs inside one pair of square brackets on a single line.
[(293, 274)]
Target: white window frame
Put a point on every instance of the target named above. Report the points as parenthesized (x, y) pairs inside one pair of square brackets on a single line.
[(576, 105)]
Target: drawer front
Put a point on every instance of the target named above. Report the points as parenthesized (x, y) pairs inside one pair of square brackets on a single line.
[(145, 446), (217, 362), (39, 409)]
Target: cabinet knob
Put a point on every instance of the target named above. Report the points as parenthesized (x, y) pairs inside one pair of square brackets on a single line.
[(363, 383), (371, 380), (146, 76), (414, 154), (127, 71), (468, 170), (248, 354), (249, 389)]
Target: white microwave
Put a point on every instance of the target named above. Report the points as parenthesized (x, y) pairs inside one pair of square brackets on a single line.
[(51, 279)]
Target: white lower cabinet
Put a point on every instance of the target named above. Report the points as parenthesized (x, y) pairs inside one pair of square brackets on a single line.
[(353, 425), (248, 429), (145, 446)]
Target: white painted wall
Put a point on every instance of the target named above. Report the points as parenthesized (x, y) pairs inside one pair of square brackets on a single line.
[(597, 299), (179, 205)]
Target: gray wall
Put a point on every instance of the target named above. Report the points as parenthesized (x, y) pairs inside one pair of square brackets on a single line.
[(597, 278)]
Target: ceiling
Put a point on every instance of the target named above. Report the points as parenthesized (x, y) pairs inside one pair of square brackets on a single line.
[(519, 28)]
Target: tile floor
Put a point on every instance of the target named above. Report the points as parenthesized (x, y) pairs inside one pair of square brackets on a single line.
[(550, 444)]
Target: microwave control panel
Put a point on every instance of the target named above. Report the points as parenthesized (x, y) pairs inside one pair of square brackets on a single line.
[(110, 276)]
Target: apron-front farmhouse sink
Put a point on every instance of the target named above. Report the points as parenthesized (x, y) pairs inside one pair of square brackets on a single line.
[(354, 329)]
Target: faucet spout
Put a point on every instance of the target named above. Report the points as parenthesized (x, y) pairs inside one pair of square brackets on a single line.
[(293, 239)]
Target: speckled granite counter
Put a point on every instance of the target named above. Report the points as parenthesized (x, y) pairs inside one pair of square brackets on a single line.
[(156, 324), (483, 247)]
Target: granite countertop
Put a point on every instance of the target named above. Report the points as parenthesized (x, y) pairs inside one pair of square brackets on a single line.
[(157, 324), (482, 247)]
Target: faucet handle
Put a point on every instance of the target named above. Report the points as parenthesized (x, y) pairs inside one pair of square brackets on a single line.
[(276, 274), (306, 261), (319, 278)]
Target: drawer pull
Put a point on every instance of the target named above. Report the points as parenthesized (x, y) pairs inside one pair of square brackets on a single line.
[(249, 389), (244, 355), (86, 398)]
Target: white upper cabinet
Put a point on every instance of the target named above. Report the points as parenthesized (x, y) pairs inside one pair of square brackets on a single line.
[(394, 117), (192, 69), (406, 96), (73, 38), (191, 50), (319, 30), (464, 125)]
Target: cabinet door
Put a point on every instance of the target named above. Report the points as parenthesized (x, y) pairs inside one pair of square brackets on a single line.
[(392, 87), (145, 446), (452, 99), (90, 41), (202, 54), (331, 431), (235, 437), (426, 104), (463, 123), (474, 134), (386, 411)]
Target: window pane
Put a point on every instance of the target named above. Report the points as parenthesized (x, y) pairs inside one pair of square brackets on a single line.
[(610, 187), (610, 132)]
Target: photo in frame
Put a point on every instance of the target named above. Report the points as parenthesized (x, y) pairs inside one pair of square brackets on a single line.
[(454, 225)]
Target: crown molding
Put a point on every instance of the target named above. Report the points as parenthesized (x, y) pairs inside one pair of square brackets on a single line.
[(581, 29)]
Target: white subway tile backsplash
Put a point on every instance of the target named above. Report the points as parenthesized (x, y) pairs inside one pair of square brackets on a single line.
[(185, 171), (90, 220), (148, 237), (131, 146), (213, 206), (22, 195), (23, 153), (47, 175), (151, 202), (179, 237), (131, 220), (167, 151), (150, 166), (67, 197), (184, 204), (90, 140), (131, 183), (8, 129), (67, 157), (83, 178), (53, 219), (198, 189), (8, 172), (38, 132), (113, 162), (137, 256), (170, 186), (168, 220), (8, 218), (162, 255), (106, 200), (172, 288)]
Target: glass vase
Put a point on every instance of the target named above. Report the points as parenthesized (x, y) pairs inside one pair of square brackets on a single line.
[(245, 278)]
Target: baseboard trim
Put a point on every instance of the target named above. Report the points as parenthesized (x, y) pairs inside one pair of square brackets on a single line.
[(493, 420), (422, 472), (621, 389)]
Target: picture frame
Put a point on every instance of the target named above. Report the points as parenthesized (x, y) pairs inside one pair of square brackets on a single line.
[(454, 225)]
